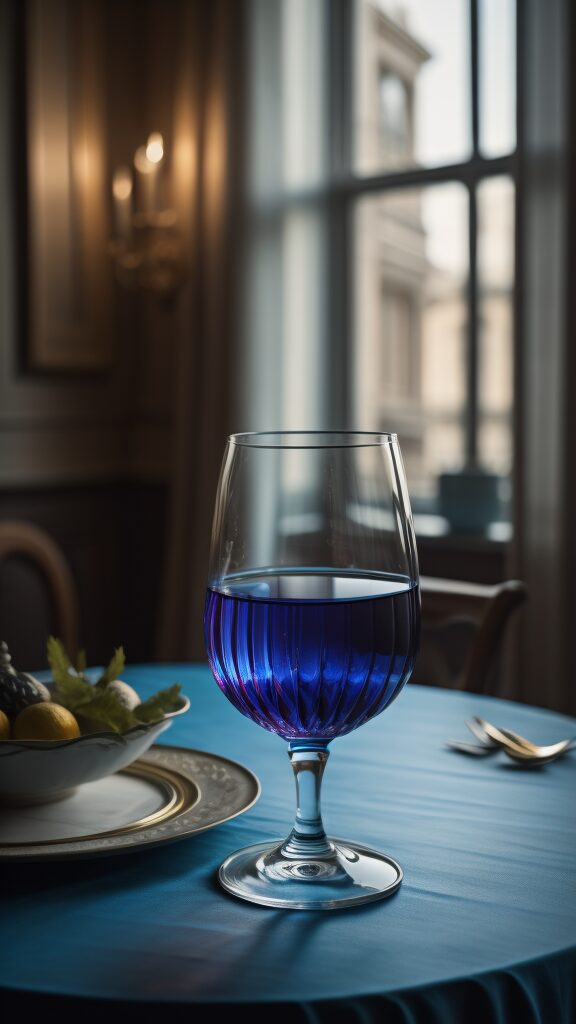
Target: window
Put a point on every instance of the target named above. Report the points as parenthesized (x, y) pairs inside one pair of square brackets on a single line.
[(409, 362), (381, 264), (393, 115), (451, 244), (399, 372)]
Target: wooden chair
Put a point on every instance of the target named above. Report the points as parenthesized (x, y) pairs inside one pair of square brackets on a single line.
[(463, 626), (23, 540)]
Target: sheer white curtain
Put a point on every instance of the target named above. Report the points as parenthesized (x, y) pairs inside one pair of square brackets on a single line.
[(283, 381)]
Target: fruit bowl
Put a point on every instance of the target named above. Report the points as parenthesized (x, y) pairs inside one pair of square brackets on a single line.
[(81, 726), (37, 771)]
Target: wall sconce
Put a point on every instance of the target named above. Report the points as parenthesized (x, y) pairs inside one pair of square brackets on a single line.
[(147, 247)]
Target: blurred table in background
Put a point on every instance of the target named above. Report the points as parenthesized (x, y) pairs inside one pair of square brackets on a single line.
[(483, 928)]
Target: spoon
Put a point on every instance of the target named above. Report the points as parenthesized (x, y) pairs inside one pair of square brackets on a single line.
[(480, 734), (479, 731), (540, 751), (532, 760), (474, 749), (486, 745), (519, 748), (524, 758)]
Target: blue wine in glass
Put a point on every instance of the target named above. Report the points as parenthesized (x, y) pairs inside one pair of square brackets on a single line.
[(311, 653), (311, 632)]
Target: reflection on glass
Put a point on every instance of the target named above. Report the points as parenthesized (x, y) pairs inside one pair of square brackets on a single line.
[(497, 76), (410, 312), (495, 326), (411, 83)]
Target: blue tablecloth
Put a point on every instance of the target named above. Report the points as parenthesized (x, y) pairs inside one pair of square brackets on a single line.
[(482, 930)]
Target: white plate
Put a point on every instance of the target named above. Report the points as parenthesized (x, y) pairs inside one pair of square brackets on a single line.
[(168, 794), (38, 771)]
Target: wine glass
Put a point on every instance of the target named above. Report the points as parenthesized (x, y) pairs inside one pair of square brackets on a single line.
[(311, 625)]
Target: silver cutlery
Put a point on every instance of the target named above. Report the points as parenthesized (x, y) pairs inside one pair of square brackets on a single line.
[(521, 750), (519, 747), (479, 732), (474, 749)]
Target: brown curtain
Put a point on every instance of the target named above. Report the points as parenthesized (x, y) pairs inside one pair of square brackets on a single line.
[(207, 183)]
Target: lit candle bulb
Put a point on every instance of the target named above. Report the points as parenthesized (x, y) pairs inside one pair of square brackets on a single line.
[(122, 193), (155, 148), (147, 161)]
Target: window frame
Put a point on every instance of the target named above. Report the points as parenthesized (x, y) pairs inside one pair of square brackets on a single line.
[(345, 188), (542, 548), (335, 196)]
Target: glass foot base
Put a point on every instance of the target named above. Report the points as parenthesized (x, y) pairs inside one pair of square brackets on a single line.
[(353, 874)]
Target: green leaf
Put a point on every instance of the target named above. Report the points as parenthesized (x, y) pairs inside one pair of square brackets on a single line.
[(106, 708), (98, 703), (72, 691), (58, 659), (162, 703), (115, 668)]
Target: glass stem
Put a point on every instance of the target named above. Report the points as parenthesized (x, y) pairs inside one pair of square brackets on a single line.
[(308, 838)]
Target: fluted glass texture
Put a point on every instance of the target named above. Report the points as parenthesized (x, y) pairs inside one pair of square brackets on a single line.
[(312, 611)]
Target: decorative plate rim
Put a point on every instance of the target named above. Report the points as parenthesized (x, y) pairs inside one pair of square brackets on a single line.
[(190, 821)]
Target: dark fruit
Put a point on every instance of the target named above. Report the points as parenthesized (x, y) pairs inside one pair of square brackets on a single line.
[(17, 689)]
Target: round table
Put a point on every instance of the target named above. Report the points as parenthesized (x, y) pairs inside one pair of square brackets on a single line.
[(482, 929)]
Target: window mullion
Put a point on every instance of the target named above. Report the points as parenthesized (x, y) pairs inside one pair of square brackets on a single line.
[(472, 389), (472, 361), (351, 187), (338, 236), (474, 78)]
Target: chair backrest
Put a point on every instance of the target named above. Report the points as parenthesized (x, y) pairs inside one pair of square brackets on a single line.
[(463, 625), (21, 540)]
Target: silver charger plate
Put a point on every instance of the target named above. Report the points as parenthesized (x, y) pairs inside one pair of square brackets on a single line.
[(168, 794)]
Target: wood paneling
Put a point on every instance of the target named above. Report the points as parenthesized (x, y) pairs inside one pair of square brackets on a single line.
[(69, 289), (67, 425)]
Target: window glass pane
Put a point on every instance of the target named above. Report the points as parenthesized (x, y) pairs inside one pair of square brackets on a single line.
[(411, 83), (410, 317), (497, 76), (496, 280)]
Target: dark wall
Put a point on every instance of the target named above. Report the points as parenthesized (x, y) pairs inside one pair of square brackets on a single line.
[(68, 435), (113, 538)]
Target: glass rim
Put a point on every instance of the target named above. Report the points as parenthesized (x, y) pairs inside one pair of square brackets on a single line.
[(288, 439)]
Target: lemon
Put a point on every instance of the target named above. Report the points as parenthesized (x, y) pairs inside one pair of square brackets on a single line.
[(45, 722), (4, 726)]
